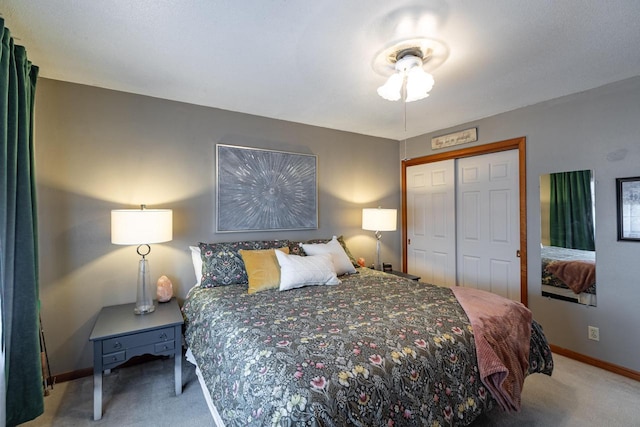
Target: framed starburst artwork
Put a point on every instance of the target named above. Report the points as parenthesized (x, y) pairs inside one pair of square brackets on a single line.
[(265, 190)]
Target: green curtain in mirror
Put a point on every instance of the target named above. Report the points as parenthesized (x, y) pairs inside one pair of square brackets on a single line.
[(18, 236), (571, 203)]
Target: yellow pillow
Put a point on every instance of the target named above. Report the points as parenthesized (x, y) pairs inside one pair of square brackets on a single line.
[(262, 268)]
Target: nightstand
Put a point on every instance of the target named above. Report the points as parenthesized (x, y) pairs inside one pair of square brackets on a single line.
[(119, 334), (405, 275)]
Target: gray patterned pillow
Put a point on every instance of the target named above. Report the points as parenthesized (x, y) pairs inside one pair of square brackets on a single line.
[(295, 248), (222, 264)]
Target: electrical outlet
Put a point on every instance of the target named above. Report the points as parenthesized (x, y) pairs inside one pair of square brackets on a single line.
[(594, 333)]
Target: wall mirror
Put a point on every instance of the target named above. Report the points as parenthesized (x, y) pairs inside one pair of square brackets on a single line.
[(568, 250)]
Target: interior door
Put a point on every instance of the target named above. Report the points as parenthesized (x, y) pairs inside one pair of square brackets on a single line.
[(488, 223), (431, 244)]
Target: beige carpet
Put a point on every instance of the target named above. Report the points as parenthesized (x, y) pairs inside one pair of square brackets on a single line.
[(576, 395), (140, 395)]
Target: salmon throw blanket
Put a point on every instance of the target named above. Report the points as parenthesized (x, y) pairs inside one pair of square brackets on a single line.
[(578, 275), (502, 331)]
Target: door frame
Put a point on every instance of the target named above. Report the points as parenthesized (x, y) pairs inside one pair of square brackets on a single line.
[(495, 147)]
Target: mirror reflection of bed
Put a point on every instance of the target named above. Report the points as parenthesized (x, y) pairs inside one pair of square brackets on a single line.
[(567, 238)]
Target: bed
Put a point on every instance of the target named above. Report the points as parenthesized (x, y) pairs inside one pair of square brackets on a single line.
[(375, 349), (569, 274)]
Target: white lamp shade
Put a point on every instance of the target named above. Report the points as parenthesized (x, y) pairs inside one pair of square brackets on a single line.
[(378, 219), (141, 226)]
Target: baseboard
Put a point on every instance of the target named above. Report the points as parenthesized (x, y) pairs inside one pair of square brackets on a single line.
[(73, 375), (80, 373), (620, 370)]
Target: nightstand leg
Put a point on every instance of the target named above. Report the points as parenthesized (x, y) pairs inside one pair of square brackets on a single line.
[(178, 374), (97, 394), (178, 360), (97, 379)]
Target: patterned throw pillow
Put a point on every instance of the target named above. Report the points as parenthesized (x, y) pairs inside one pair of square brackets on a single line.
[(295, 248), (222, 264)]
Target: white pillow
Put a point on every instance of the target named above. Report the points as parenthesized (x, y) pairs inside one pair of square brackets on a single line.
[(196, 259), (297, 271), (341, 261)]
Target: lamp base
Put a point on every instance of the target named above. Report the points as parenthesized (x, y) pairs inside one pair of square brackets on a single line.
[(378, 263), (144, 309), (144, 297)]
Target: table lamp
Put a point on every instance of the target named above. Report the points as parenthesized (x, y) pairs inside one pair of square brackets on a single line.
[(142, 227), (378, 219)]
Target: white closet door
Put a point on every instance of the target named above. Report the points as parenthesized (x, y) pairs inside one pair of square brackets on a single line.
[(488, 224), (431, 242)]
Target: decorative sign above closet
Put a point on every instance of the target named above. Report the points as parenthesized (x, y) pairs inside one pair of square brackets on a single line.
[(456, 138)]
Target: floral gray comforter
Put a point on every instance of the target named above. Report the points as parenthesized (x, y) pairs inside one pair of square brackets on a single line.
[(376, 350)]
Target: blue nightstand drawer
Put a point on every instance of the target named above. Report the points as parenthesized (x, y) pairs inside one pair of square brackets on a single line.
[(108, 359), (137, 340), (164, 346)]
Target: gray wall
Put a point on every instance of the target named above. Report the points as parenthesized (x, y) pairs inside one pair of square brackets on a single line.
[(98, 150), (599, 130)]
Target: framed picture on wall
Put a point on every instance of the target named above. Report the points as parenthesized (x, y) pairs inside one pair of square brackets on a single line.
[(265, 190), (628, 197)]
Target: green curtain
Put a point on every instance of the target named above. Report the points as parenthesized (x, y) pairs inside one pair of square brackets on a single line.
[(572, 210), (18, 235)]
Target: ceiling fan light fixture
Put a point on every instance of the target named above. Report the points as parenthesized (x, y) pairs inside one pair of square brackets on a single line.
[(409, 72), (406, 62)]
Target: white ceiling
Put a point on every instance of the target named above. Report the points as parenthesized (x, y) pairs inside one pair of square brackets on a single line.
[(311, 61)]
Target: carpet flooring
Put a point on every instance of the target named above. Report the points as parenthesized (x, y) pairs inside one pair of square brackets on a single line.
[(577, 395), (135, 396)]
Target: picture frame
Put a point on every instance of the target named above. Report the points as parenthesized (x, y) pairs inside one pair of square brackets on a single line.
[(265, 190), (628, 207)]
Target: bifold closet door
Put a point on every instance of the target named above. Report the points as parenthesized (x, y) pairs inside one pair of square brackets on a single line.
[(431, 243), (488, 223)]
